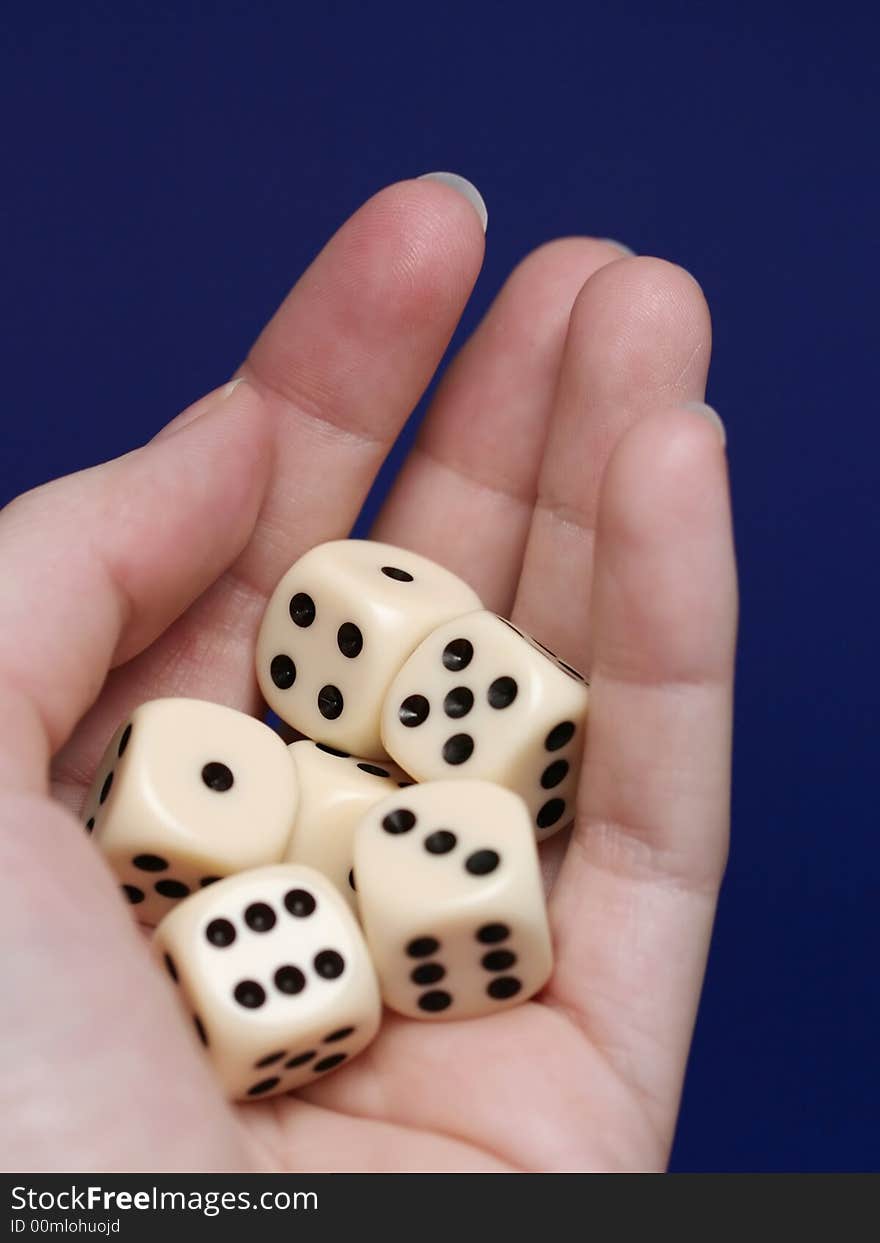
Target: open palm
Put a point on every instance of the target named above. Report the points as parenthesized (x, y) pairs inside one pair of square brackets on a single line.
[(561, 472)]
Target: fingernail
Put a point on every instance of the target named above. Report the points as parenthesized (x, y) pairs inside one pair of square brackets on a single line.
[(700, 407), (465, 188), (203, 406), (229, 388), (624, 250)]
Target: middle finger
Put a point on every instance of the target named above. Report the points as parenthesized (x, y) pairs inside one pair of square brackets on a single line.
[(639, 340), (465, 494)]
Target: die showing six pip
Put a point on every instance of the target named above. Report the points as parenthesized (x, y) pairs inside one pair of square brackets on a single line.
[(388, 856)]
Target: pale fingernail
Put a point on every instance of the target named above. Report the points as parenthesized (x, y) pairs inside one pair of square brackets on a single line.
[(230, 387), (465, 188), (624, 250), (203, 406), (708, 412)]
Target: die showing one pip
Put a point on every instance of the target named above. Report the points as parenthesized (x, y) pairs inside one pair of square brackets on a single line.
[(451, 901), (335, 792), (339, 625), (187, 792), (274, 972), (481, 699)]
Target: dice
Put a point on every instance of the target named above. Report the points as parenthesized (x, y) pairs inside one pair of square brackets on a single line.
[(188, 792), (273, 971), (451, 900), (336, 630), (478, 698), (335, 791)]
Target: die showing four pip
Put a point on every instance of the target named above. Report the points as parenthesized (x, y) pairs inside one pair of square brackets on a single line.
[(371, 652)]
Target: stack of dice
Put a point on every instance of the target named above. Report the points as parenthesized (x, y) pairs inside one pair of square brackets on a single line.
[(390, 855)]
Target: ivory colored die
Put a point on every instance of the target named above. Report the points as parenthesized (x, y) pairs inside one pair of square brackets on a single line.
[(274, 971), (189, 791), (338, 627), (451, 900), (481, 699), (335, 791)]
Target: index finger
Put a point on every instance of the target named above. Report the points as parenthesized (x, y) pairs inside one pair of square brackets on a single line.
[(345, 359)]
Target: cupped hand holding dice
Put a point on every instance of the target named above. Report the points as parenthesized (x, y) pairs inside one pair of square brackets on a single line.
[(558, 475), (189, 792)]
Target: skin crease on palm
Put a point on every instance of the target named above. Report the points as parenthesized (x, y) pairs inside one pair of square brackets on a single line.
[(567, 471)]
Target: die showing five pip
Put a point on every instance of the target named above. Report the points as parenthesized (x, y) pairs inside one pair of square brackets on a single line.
[(259, 858), (478, 698)]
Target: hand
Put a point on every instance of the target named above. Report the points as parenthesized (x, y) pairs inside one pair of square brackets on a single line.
[(560, 472)]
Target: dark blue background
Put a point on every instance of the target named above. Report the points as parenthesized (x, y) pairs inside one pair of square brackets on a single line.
[(169, 170)]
